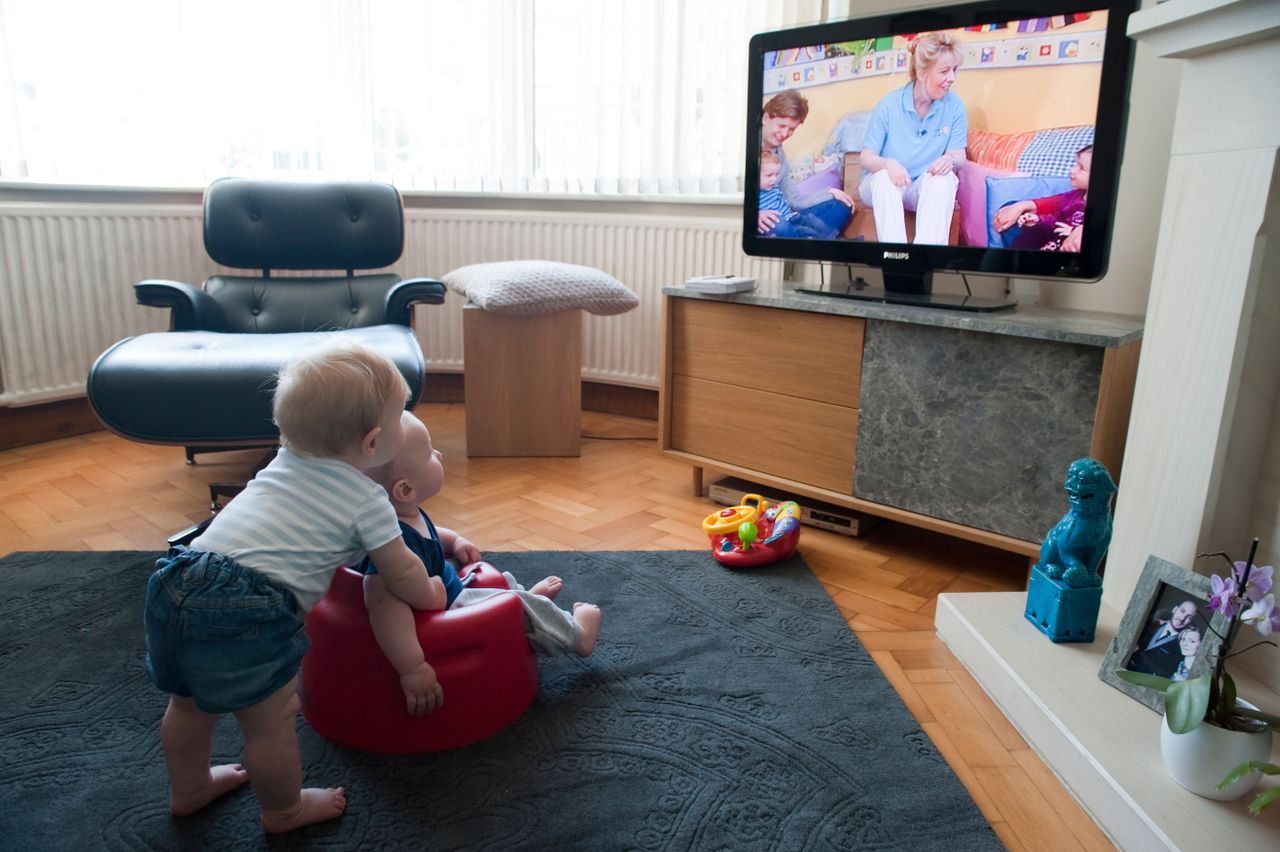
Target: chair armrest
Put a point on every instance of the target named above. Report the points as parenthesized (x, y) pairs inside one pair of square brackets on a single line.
[(191, 309), (402, 297)]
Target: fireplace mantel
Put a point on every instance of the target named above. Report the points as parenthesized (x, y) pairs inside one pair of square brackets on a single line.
[(1202, 434)]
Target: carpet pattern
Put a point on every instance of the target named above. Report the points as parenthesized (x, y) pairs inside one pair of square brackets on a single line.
[(721, 710)]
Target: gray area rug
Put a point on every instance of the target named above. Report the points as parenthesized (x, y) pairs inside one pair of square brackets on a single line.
[(721, 710)]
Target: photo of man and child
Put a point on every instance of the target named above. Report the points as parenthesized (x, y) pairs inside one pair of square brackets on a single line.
[(936, 138)]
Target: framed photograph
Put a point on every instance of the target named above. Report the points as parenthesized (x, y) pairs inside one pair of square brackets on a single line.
[(1167, 630)]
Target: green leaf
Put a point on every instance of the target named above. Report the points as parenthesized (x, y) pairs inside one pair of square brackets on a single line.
[(1185, 704), (1249, 766), (1161, 684), (1266, 797)]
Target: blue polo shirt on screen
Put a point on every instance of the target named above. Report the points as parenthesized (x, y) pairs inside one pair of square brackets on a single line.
[(898, 132)]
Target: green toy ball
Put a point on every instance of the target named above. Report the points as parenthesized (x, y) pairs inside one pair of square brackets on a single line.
[(747, 534)]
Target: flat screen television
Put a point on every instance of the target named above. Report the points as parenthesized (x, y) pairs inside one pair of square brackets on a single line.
[(998, 155)]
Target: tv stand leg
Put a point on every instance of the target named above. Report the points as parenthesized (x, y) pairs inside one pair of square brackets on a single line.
[(697, 482)]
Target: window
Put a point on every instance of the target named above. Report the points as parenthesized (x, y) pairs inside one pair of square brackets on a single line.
[(597, 97)]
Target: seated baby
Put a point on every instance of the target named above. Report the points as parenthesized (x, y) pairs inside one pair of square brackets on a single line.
[(1052, 223), (824, 220), (412, 476)]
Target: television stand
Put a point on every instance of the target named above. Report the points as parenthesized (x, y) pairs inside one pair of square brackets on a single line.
[(912, 287), (964, 424), (927, 300)]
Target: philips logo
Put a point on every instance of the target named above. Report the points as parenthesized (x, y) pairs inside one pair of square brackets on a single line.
[(897, 255)]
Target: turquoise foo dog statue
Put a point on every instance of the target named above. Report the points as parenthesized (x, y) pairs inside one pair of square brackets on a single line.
[(1075, 546), (1066, 590)]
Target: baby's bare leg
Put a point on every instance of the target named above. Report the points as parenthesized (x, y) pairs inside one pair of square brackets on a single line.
[(588, 618), (187, 735), (275, 766), (549, 587)]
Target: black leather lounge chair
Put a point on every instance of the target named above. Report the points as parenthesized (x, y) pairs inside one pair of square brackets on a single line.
[(206, 384)]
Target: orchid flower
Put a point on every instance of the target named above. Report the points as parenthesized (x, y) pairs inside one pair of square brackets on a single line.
[(1260, 578), (1263, 615), (1223, 595)]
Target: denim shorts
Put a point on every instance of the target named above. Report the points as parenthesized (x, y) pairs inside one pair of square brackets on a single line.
[(220, 633)]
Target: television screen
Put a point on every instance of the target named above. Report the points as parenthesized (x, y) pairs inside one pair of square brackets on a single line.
[(979, 137)]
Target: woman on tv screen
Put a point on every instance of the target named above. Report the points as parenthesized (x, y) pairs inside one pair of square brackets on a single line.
[(914, 143)]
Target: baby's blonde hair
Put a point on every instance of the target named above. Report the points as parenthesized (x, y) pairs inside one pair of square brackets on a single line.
[(329, 397), (927, 48)]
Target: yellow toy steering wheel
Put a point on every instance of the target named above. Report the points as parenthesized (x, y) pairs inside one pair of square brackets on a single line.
[(728, 520)]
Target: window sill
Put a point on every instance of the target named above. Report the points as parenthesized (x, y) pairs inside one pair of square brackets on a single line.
[(19, 190)]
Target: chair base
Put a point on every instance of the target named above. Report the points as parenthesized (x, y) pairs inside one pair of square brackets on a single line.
[(192, 452), (217, 491)]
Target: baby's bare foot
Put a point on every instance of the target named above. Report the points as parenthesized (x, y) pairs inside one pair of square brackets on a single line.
[(222, 779), (314, 805), (549, 587), (588, 618)]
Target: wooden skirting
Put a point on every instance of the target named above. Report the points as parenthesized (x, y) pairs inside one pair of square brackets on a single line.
[(35, 424), (620, 400)]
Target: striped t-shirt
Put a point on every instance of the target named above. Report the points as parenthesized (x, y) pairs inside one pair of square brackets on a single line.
[(299, 520), (773, 199)]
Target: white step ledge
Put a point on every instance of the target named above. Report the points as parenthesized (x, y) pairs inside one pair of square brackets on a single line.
[(1103, 745)]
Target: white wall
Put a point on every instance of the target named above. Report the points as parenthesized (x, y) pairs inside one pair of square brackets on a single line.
[(1202, 451), (1265, 518), (1125, 287)]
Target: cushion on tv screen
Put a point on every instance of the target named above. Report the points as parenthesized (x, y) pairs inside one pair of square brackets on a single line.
[(971, 195), (1053, 152), (1002, 191)]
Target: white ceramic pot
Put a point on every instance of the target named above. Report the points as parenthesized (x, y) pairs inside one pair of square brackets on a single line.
[(1202, 757)]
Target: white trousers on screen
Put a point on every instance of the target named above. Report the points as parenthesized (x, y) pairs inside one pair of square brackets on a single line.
[(932, 197)]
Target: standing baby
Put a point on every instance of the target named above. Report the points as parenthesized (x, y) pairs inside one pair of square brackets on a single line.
[(224, 618)]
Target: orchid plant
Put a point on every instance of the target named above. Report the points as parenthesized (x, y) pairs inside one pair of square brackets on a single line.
[(1245, 595)]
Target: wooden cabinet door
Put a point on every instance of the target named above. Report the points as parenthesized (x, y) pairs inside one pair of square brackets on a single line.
[(766, 389)]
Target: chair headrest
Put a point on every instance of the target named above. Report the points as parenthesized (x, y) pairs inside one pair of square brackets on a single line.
[(269, 224)]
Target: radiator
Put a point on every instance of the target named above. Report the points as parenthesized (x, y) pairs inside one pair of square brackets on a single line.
[(66, 287), (644, 252), (67, 275)]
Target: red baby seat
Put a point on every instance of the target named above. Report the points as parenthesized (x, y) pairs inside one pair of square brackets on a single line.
[(351, 695)]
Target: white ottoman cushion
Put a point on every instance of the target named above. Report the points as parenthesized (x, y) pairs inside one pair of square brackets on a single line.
[(532, 287)]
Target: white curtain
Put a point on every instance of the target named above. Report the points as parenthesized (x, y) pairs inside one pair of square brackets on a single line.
[(646, 96), (595, 97)]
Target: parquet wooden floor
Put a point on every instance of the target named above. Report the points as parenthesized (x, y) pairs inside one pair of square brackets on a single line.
[(99, 492)]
